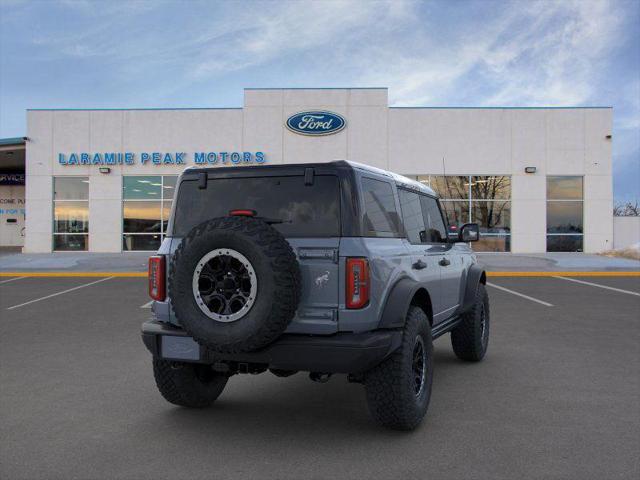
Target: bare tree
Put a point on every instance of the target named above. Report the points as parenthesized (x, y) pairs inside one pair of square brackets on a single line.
[(628, 209)]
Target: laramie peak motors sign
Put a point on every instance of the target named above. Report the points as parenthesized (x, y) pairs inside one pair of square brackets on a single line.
[(315, 123), (161, 158)]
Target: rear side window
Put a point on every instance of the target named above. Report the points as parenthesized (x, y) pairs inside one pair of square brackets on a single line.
[(304, 210), (436, 232), (412, 216), (380, 214)]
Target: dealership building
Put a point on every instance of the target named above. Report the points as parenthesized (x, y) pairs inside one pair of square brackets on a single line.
[(535, 179)]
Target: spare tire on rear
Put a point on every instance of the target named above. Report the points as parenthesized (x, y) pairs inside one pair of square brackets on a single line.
[(234, 284)]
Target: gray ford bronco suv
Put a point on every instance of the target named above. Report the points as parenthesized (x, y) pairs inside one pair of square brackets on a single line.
[(325, 268)]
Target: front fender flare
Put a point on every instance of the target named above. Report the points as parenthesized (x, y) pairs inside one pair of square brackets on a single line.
[(475, 276)]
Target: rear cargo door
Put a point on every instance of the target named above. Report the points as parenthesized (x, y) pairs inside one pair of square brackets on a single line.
[(318, 308), (305, 209)]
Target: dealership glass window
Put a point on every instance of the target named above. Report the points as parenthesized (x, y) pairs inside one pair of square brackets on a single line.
[(456, 212), (448, 187), (146, 205), (564, 214), (70, 213), (482, 199)]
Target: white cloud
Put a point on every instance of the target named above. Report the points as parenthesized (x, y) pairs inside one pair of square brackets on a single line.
[(272, 30), (538, 53), (528, 53)]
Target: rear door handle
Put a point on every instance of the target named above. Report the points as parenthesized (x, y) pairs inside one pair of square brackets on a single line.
[(419, 265), (444, 262)]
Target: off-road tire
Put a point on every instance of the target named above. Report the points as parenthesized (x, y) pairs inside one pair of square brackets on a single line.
[(389, 387), (190, 385), (278, 283), (469, 339)]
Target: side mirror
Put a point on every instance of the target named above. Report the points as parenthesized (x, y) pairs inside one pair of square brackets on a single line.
[(470, 232)]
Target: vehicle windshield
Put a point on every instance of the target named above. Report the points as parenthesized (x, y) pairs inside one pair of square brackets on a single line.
[(296, 209)]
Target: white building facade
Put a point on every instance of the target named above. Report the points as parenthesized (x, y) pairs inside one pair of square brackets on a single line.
[(536, 179)]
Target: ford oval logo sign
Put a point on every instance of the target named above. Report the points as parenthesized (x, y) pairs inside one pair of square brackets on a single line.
[(316, 123)]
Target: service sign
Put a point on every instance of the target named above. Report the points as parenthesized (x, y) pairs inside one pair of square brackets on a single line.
[(315, 123), (11, 178)]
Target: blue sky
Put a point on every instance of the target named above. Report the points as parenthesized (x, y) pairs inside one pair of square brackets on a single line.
[(110, 54)]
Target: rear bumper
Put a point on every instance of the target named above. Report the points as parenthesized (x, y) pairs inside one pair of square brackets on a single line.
[(339, 353)]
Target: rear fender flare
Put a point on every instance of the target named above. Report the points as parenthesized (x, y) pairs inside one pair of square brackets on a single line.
[(398, 302)]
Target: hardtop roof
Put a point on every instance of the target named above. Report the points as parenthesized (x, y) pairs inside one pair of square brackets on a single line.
[(400, 180)]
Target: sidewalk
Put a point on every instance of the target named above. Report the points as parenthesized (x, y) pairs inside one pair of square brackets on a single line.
[(137, 262), (74, 262), (554, 262)]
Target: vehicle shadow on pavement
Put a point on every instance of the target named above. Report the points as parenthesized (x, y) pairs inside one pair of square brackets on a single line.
[(266, 406)]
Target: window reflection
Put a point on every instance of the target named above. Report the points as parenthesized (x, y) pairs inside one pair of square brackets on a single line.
[(147, 201), (457, 213), (564, 188), (169, 186), (490, 187), (436, 231), (71, 217), (564, 243), (493, 217), (166, 213), (65, 243), (142, 187), (492, 243), (70, 213), (141, 217), (380, 216), (141, 242), (564, 214), (414, 223), (564, 217), (450, 187), (71, 188)]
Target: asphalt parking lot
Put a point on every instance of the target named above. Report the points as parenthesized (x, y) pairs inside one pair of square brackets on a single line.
[(556, 397)]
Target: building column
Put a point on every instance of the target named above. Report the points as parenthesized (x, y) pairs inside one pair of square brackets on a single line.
[(598, 213), (105, 212), (528, 213), (38, 184)]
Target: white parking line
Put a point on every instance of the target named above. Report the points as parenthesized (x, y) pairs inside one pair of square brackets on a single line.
[(629, 292), (147, 305), (12, 279), (546, 304), (59, 293)]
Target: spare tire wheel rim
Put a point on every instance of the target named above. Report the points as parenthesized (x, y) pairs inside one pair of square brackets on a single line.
[(224, 285)]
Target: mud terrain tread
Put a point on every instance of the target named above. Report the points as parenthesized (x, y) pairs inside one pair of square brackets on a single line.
[(390, 402), (466, 337), (286, 278), (181, 386)]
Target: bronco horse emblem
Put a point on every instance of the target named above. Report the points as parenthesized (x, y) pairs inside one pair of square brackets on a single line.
[(322, 279)]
